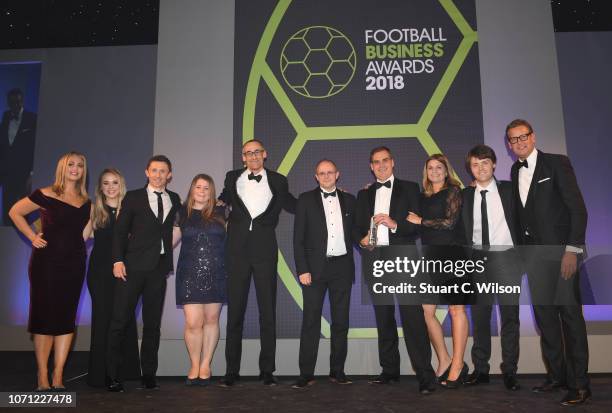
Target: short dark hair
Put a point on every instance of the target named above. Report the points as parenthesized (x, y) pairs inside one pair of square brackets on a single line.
[(325, 160), (160, 158), (256, 141), (15, 92), (518, 122), (479, 152), (380, 149)]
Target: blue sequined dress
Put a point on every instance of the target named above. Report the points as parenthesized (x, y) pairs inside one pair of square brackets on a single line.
[(200, 272)]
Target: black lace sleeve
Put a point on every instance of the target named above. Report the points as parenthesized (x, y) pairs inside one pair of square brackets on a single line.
[(453, 211)]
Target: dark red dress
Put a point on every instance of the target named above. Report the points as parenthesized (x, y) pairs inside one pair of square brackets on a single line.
[(58, 270)]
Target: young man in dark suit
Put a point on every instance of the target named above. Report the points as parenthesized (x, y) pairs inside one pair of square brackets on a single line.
[(552, 218), (489, 226), (17, 137), (388, 202), (323, 253), (142, 256), (256, 196)]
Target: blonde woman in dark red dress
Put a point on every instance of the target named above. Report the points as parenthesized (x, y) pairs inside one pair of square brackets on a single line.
[(57, 264)]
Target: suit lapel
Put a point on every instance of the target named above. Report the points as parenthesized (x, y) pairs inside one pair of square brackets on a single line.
[(240, 202), (533, 188), (146, 205), (372, 197), (396, 193), (506, 195), (468, 213)]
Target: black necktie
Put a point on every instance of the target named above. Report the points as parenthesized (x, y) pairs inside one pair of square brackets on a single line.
[(381, 184), (522, 163), (326, 194), (160, 207), (252, 176), (484, 218)]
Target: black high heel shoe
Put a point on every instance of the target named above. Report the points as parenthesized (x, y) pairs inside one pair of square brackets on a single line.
[(454, 384), (442, 377)]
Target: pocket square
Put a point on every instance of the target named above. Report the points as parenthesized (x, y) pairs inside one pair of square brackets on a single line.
[(542, 180)]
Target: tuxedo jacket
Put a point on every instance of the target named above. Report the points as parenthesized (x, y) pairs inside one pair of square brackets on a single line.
[(467, 211), (17, 160), (260, 240), (405, 197), (554, 213), (310, 231), (138, 234)]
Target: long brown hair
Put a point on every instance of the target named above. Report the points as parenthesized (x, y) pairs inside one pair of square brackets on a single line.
[(449, 180), (100, 216), (59, 186), (208, 212)]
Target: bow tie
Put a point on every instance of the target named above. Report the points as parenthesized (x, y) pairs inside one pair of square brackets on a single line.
[(522, 163), (381, 184), (326, 194), (254, 177)]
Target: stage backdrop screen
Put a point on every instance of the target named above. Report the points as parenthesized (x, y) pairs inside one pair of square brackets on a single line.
[(334, 79)]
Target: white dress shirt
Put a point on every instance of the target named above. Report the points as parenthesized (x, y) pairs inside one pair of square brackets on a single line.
[(166, 202), (13, 127), (381, 206), (499, 232), (335, 229), (525, 175), (255, 195)]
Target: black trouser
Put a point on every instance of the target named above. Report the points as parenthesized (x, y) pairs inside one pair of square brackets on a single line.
[(152, 286), (338, 279), (238, 284), (415, 336), (558, 314), (501, 267)]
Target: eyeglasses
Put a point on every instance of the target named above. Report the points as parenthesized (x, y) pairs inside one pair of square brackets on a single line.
[(515, 139), (250, 154)]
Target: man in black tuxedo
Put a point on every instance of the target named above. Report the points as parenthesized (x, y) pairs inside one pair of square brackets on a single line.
[(323, 253), (489, 226), (552, 218), (388, 202), (17, 136), (256, 196), (142, 257)]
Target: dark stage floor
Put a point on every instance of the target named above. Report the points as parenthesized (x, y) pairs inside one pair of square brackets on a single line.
[(18, 374)]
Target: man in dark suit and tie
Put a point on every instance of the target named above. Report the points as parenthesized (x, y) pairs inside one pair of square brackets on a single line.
[(323, 253), (388, 202), (256, 196), (142, 257), (489, 226), (552, 218), (17, 136)]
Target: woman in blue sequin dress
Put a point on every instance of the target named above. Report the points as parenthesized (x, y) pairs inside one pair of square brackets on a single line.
[(200, 274)]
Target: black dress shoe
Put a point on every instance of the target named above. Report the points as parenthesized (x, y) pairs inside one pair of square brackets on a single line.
[(149, 383), (229, 380), (574, 397), (268, 379), (548, 386), (384, 378), (115, 386), (455, 384), (511, 382), (303, 382), (339, 378), (427, 389), (477, 378)]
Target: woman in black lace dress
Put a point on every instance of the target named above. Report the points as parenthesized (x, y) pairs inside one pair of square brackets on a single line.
[(441, 209), (101, 283), (200, 274)]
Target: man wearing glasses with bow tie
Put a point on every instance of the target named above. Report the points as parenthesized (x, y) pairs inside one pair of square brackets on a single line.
[(386, 204), (553, 219), (256, 196), (323, 253)]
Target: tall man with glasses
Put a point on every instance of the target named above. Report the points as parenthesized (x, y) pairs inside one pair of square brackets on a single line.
[(388, 202), (256, 196), (553, 220)]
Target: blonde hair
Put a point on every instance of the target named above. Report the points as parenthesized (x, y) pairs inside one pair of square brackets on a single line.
[(59, 186), (99, 215), (449, 180), (208, 212)]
